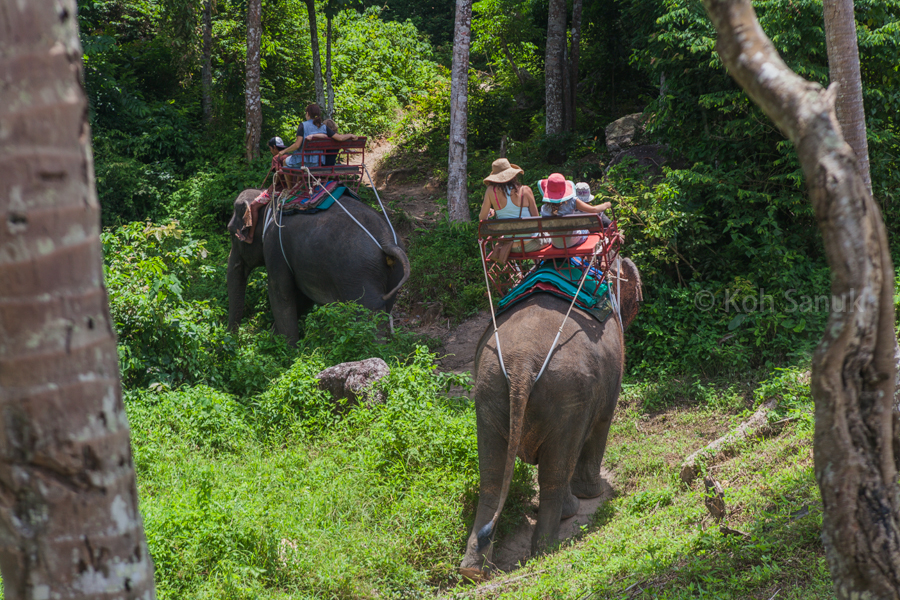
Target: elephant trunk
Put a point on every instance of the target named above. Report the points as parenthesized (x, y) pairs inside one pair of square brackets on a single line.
[(395, 252), (519, 392), (237, 289)]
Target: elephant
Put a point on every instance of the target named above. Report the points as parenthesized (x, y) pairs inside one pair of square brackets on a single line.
[(318, 258), (560, 422)]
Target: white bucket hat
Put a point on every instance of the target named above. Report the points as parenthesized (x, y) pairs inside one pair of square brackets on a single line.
[(583, 192)]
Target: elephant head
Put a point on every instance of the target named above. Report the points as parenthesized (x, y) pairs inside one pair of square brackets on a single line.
[(246, 254), (626, 278)]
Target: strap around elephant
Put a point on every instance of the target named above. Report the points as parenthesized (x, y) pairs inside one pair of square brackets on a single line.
[(336, 201), (558, 333), (487, 284)]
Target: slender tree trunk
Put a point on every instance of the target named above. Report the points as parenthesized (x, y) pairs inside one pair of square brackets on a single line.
[(253, 98), (843, 69), (457, 192), (853, 367), (574, 55), (207, 61), (69, 521), (316, 58), (329, 110), (553, 66)]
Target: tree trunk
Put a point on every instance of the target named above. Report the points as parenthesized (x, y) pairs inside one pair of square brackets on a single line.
[(207, 61), (457, 192), (843, 69), (314, 46), (69, 521), (329, 110), (853, 368), (253, 99), (574, 54), (553, 66)]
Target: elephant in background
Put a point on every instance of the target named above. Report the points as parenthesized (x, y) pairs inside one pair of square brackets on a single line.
[(559, 422), (319, 258)]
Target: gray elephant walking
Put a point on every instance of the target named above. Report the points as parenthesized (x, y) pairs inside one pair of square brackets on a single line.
[(319, 258), (559, 423)]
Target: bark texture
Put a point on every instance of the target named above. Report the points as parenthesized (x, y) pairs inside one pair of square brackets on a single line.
[(253, 108), (457, 193), (316, 58), (843, 69), (853, 367), (553, 66), (206, 70), (69, 520)]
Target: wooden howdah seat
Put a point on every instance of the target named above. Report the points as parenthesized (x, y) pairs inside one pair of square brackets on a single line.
[(503, 276), (349, 165)]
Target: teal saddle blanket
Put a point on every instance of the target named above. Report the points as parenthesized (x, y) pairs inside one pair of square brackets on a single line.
[(562, 282), (321, 198)]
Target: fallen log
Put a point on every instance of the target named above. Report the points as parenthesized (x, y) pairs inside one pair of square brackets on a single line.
[(690, 468)]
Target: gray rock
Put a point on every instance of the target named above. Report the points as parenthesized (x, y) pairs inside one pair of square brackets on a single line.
[(354, 381), (624, 132), (649, 158)]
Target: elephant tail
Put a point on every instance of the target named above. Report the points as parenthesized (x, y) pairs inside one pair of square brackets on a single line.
[(396, 253), (519, 392)]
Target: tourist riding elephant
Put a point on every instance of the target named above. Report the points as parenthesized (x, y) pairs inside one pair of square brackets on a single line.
[(318, 258), (560, 422)]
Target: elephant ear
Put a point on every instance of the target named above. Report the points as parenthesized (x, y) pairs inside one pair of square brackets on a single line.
[(631, 291), (248, 216)]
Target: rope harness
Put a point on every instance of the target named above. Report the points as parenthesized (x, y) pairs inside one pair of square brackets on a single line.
[(312, 180), (614, 298)]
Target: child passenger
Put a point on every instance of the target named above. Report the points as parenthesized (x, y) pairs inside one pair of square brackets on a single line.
[(560, 198)]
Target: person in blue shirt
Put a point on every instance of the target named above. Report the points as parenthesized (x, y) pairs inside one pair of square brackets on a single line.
[(311, 128)]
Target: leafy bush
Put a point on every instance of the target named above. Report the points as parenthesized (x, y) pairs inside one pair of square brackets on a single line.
[(445, 267), (379, 67), (294, 401), (163, 338), (344, 332), (202, 417)]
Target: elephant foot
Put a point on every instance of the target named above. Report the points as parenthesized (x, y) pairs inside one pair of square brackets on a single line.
[(570, 507), (473, 575), (587, 488)]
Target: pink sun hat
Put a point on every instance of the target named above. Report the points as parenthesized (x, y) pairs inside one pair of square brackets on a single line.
[(556, 188)]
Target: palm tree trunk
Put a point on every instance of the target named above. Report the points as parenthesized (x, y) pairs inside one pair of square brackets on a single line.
[(843, 69), (553, 66), (314, 46), (252, 94), (457, 193), (69, 521), (853, 367)]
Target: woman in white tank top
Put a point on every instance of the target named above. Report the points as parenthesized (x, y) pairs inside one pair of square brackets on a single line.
[(506, 198)]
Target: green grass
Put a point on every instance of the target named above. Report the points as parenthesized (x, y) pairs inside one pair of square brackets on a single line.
[(378, 502)]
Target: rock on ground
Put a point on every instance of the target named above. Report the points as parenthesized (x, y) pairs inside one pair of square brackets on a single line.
[(354, 381)]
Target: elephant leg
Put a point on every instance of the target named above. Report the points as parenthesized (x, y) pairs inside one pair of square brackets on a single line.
[(557, 502), (491, 454), (283, 298), (587, 483)]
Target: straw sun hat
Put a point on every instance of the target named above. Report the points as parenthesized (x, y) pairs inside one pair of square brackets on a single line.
[(503, 172)]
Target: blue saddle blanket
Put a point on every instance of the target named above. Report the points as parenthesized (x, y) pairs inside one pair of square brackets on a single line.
[(562, 282)]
